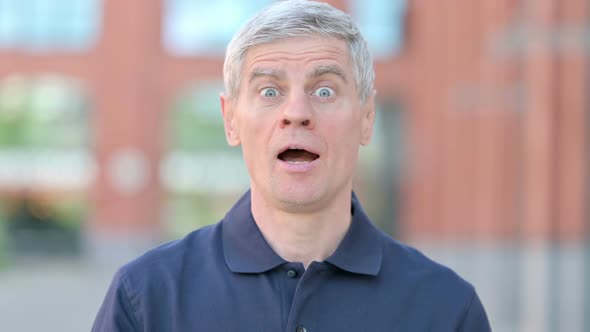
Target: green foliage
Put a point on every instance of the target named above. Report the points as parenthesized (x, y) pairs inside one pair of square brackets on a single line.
[(48, 113), (70, 213), (44, 114), (195, 123), (192, 211), (195, 128), (12, 130), (3, 261)]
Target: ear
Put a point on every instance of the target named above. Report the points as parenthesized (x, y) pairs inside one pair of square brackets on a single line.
[(368, 119), (229, 120)]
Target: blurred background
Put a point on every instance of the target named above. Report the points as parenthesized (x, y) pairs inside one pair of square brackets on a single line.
[(111, 141)]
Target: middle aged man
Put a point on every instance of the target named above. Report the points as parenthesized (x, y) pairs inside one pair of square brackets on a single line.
[(297, 252)]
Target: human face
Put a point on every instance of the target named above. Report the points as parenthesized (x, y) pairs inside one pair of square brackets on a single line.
[(299, 120)]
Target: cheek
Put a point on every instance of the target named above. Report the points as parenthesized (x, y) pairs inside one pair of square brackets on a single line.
[(343, 131), (251, 123), (255, 133)]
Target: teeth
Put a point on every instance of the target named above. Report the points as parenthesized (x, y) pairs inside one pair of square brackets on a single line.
[(293, 162)]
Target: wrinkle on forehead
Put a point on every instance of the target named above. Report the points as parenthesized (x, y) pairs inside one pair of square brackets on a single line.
[(297, 49)]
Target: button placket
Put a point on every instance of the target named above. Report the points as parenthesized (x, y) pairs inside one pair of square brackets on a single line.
[(309, 280)]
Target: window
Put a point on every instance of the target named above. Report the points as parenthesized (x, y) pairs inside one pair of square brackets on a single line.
[(382, 24), (381, 166), (204, 27), (201, 27), (49, 25), (202, 175), (44, 134), (47, 165)]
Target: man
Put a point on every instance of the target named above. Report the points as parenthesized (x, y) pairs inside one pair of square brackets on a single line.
[(297, 252)]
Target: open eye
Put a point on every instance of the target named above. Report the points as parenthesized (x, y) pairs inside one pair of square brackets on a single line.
[(324, 92), (269, 92)]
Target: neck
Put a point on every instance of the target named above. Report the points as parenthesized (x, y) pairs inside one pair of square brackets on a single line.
[(303, 236)]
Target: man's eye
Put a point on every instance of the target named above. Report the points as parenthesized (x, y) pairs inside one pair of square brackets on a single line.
[(269, 92), (324, 92)]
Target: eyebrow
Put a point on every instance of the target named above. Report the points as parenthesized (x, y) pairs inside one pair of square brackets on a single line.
[(326, 69), (315, 73), (261, 72)]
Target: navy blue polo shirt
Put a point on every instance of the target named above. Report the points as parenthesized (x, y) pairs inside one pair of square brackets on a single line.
[(226, 277)]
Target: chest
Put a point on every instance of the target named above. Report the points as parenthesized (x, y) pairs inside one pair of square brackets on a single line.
[(288, 299)]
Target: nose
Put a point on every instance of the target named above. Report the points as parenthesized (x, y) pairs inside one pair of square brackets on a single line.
[(298, 112)]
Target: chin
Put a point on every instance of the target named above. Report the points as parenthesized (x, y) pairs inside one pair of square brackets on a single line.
[(299, 198)]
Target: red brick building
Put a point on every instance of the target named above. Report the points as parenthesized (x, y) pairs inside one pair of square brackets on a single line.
[(493, 96)]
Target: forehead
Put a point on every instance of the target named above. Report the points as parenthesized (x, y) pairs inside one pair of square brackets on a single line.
[(298, 53)]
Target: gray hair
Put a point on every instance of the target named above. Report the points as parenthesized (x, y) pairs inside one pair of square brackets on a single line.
[(299, 18)]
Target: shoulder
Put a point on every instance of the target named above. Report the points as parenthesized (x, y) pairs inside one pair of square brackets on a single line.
[(412, 267), (435, 288), (158, 279), (191, 251)]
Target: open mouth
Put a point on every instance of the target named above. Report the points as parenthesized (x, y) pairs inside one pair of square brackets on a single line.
[(297, 156)]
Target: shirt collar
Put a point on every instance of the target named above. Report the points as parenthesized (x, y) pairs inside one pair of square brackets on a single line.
[(361, 249), (246, 250), (244, 247)]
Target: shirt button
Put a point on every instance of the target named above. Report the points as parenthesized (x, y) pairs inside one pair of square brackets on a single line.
[(293, 274), (300, 329)]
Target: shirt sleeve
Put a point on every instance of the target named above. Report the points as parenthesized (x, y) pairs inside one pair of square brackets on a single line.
[(475, 319), (116, 313)]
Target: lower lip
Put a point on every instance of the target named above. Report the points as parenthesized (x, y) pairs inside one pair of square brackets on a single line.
[(298, 168)]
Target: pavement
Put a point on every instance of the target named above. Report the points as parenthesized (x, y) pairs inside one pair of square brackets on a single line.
[(51, 294)]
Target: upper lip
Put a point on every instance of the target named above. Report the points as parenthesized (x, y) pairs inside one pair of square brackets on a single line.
[(297, 146)]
